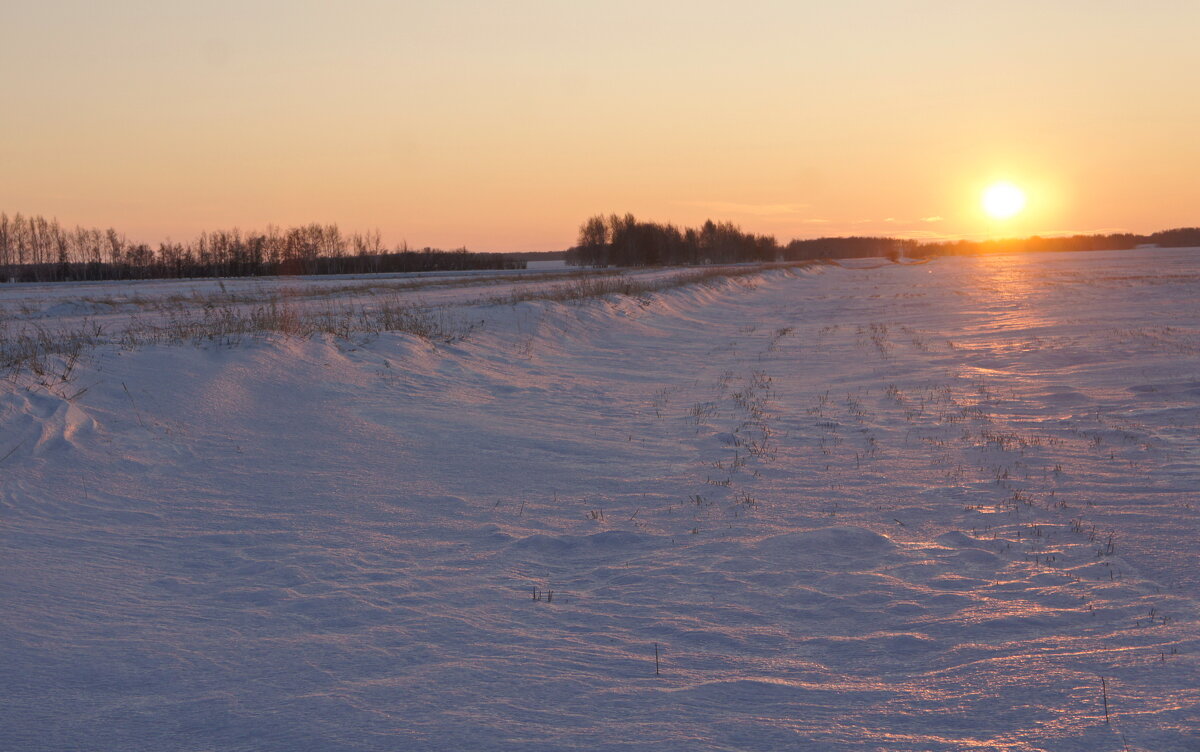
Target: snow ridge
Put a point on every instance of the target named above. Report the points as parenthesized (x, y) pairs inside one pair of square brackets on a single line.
[(906, 507)]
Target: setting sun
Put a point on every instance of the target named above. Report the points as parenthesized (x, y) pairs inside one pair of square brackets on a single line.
[(1003, 200)]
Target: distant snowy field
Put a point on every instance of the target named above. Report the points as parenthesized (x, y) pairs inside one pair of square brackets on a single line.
[(947, 506)]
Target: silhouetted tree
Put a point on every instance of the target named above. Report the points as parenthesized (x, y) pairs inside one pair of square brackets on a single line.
[(40, 249)]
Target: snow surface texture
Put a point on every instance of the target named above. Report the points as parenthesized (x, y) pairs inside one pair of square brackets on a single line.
[(939, 507)]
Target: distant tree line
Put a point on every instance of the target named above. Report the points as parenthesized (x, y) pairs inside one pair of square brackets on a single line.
[(624, 241), (1182, 237), (537, 255), (618, 240), (36, 249), (839, 248)]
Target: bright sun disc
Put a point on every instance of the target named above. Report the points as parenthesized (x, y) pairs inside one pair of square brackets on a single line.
[(1003, 200)]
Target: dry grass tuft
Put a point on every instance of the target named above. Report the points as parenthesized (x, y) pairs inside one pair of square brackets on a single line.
[(45, 352)]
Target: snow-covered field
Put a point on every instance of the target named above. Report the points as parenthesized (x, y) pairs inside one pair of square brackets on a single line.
[(949, 506)]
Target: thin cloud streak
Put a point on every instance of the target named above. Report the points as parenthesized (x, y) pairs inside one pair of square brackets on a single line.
[(753, 210)]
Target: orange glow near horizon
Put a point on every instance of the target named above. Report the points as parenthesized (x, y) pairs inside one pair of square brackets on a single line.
[(503, 126)]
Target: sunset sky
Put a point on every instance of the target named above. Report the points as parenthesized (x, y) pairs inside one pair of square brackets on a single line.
[(502, 125)]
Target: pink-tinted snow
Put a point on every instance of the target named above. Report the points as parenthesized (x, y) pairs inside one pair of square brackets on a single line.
[(904, 507)]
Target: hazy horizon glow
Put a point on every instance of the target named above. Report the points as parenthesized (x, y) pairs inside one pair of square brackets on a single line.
[(503, 126)]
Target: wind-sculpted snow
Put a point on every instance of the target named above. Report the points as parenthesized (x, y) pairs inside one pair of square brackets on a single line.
[(944, 506)]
